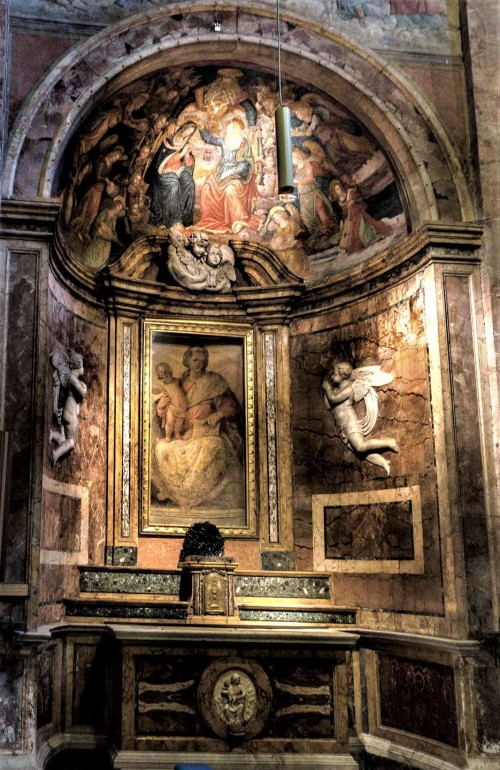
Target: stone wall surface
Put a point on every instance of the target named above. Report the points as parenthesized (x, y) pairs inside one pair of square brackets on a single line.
[(389, 634)]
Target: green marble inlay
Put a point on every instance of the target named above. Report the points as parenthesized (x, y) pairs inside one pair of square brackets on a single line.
[(154, 612), (97, 581), (296, 616), (282, 587)]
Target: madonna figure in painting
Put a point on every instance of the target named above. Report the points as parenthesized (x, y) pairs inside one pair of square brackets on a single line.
[(229, 194), (172, 187), (204, 466)]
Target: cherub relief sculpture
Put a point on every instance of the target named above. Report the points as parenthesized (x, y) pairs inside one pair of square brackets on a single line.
[(198, 264), (342, 387), (69, 392)]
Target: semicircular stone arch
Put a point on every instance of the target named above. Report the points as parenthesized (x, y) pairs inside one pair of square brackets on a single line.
[(402, 121)]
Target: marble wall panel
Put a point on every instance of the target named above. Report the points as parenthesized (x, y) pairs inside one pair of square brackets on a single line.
[(45, 687), (90, 681), (418, 698), (466, 421), (55, 582), (72, 326), (387, 330), (22, 279), (62, 522), (11, 695), (381, 531)]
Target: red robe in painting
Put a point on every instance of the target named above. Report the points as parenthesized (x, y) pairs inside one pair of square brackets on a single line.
[(358, 229), (225, 202), (229, 194)]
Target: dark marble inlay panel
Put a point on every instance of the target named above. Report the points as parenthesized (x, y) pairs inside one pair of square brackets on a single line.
[(298, 616), (278, 560), (291, 587), (123, 610), (166, 690), (45, 687), (381, 531), (62, 527), (303, 699), (167, 695), (121, 555), (19, 406), (90, 678), (129, 582), (418, 698), (466, 419), (11, 695)]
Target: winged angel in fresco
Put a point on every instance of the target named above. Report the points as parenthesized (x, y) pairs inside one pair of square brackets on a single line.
[(344, 386)]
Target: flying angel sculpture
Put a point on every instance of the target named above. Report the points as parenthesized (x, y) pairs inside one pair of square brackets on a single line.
[(341, 388)]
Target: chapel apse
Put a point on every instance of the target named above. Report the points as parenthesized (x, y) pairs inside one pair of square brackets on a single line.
[(193, 150)]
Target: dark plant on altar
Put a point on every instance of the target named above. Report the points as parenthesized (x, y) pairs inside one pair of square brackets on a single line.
[(202, 539)]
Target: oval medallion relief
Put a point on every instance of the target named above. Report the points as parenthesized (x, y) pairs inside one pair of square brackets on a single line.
[(235, 697)]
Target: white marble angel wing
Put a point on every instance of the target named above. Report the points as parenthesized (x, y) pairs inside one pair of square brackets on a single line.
[(363, 379)]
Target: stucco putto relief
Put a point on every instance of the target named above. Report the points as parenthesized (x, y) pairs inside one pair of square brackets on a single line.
[(192, 151)]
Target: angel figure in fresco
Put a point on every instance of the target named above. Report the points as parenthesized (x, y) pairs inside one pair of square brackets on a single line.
[(358, 229), (69, 392), (315, 208), (344, 386)]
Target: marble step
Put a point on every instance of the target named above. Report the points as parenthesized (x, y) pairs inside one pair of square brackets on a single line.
[(167, 609)]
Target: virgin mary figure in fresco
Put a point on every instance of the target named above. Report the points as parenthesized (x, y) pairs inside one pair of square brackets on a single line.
[(228, 195), (172, 185), (203, 468)]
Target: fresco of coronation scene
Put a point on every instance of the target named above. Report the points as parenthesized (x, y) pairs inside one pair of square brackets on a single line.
[(194, 150)]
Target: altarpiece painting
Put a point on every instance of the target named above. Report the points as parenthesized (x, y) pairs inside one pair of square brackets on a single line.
[(198, 434)]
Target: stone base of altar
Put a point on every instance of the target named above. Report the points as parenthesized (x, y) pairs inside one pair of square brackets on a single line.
[(147, 760)]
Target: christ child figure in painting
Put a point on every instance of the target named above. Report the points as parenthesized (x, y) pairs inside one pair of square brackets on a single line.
[(229, 194), (171, 403), (344, 386)]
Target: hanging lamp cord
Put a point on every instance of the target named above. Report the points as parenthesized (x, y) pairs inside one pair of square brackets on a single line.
[(278, 27)]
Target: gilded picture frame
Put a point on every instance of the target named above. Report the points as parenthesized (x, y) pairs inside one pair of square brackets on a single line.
[(198, 432)]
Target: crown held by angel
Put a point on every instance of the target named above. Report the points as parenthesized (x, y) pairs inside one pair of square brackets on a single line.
[(342, 387)]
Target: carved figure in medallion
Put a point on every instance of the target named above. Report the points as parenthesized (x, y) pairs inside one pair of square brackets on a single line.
[(69, 392), (344, 386), (235, 700)]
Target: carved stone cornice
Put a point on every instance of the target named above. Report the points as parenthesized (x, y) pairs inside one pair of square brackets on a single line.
[(33, 218), (270, 294), (434, 242)]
